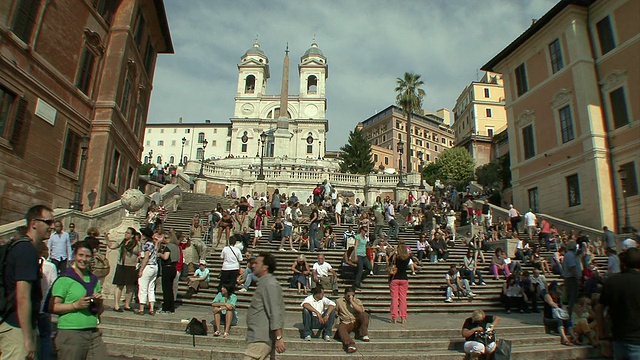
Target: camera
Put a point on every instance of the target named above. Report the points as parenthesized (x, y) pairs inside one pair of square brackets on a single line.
[(93, 306)]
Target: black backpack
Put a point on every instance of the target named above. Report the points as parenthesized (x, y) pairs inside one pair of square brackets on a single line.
[(7, 300), (196, 327)]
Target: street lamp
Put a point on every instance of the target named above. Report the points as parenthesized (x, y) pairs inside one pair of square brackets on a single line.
[(184, 141), (400, 151), (627, 220), (204, 147), (84, 145), (319, 149), (150, 156), (263, 140), (420, 156)]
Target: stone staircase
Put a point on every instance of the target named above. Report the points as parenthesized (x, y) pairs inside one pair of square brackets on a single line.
[(162, 337)]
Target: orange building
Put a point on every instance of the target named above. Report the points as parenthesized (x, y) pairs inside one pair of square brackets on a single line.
[(572, 86), (75, 78)]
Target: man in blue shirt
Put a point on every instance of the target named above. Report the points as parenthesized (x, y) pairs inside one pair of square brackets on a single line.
[(571, 270), (59, 247)]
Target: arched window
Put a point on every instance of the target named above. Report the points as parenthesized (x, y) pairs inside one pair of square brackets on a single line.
[(146, 159), (159, 160), (200, 154), (250, 84), (184, 160), (200, 138), (275, 113), (312, 84), (171, 160)]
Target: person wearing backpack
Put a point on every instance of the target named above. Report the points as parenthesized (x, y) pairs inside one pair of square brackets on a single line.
[(20, 291), (76, 299)]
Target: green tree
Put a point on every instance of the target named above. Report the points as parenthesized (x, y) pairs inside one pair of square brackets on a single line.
[(454, 166), (488, 174), (409, 98), (355, 155)]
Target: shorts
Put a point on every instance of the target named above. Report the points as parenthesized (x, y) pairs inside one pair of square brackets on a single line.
[(257, 233), (288, 229)]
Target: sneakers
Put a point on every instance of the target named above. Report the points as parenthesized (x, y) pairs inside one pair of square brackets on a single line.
[(351, 349), (366, 338), (327, 338), (471, 294), (449, 300), (294, 250), (282, 249), (243, 290), (307, 338), (483, 283), (473, 284)]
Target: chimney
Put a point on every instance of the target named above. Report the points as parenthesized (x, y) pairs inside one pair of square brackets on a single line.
[(180, 120), (207, 121)]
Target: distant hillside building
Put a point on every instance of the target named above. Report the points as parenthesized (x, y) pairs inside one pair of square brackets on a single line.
[(480, 114), (75, 78), (430, 136), (572, 85)]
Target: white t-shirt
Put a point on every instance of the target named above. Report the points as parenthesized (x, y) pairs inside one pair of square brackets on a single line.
[(453, 277), (49, 275), (322, 270), (320, 305), (288, 216), (231, 257), (530, 219)]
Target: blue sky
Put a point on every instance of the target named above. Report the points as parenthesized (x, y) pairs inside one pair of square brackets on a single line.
[(368, 44)]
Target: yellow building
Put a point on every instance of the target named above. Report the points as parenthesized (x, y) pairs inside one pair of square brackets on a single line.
[(479, 114), (430, 135), (572, 86)]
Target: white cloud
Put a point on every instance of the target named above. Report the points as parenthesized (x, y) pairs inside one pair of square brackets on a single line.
[(368, 45)]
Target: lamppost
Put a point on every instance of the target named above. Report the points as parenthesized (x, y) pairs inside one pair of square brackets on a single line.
[(420, 156), (184, 141), (204, 147), (400, 151), (319, 149), (75, 204), (627, 220), (263, 140), (151, 156)]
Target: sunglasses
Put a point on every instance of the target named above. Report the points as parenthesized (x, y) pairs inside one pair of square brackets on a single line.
[(47, 221)]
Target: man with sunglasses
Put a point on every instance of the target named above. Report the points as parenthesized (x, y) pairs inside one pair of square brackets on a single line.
[(22, 290), (59, 247)]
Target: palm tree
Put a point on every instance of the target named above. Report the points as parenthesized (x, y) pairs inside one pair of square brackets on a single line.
[(409, 98)]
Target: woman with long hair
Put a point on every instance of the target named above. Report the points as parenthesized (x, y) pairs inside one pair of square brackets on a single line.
[(126, 274), (78, 303), (225, 224), (301, 270), (147, 273), (196, 229), (224, 306), (399, 282)]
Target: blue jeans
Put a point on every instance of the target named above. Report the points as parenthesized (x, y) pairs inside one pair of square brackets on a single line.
[(45, 343), (311, 322), (313, 236), (363, 263), (625, 351), (393, 229), (250, 278)]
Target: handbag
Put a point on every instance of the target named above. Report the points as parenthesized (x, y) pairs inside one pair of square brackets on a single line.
[(485, 337), (354, 256), (503, 350), (393, 269), (560, 313)]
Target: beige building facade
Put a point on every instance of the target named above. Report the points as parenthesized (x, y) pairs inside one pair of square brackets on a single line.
[(479, 114), (430, 136), (572, 88)]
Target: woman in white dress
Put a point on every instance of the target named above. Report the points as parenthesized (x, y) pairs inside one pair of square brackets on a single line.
[(338, 211)]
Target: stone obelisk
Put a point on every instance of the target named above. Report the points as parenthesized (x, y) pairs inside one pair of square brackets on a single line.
[(282, 136)]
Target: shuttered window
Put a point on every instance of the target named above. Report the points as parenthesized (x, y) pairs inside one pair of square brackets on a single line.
[(24, 19), (85, 72), (71, 151)]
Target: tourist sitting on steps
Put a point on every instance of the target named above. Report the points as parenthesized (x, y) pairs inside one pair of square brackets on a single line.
[(498, 263), (324, 274), (247, 277), (199, 280), (353, 318), (477, 331), (456, 285), (300, 270), (224, 309), (318, 312)]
